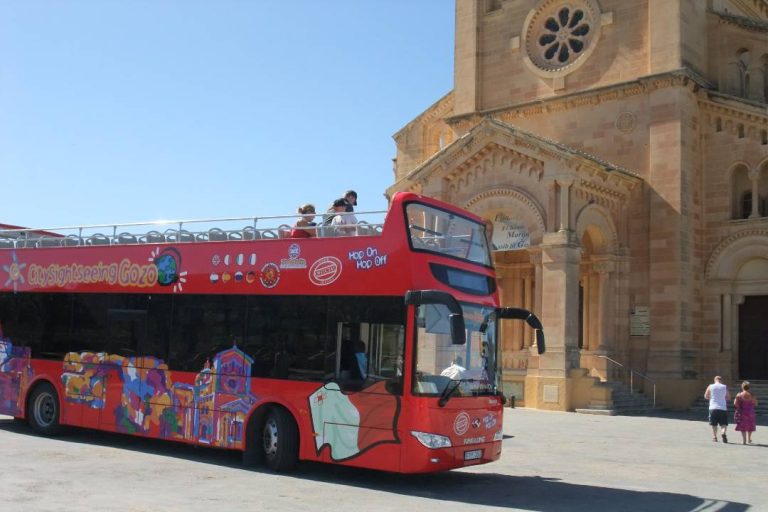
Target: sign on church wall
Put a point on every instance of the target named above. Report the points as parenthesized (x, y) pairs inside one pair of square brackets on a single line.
[(640, 321), (508, 234)]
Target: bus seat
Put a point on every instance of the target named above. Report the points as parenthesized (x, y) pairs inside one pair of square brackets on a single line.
[(217, 235), (152, 237), (98, 239), (47, 241), (250, 233), (284, 231), (126, 238), (268, 233), (185, 236), (71, 241)]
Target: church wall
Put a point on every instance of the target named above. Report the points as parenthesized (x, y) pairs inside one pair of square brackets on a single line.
[(620, 55), (726, 42), (694, 36), (615, 130), (728, 142)]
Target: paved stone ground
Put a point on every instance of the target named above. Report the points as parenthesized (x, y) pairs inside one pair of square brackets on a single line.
[(551, 462)]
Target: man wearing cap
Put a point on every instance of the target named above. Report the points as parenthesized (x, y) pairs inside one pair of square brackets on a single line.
[(350, 201), (343, 222)]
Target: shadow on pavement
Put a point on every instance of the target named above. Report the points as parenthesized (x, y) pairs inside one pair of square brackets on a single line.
[(537, 493), (701, 416)]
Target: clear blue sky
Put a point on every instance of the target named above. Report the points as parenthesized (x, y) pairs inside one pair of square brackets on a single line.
[(128, 110)]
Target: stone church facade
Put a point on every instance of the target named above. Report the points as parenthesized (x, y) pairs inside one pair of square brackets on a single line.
[(619, 149)]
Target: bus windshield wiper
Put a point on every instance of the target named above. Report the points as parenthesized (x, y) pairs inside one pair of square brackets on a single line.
[(447, 392), (425, 230), (450, 388)]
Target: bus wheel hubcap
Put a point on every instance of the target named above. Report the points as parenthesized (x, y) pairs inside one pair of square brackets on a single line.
[(45, 409), (270, 437)]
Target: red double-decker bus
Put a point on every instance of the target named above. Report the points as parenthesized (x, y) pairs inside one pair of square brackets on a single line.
[(377, 350)]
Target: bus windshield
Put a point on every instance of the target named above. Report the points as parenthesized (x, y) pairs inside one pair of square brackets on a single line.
[(439, 362), (434, 230)]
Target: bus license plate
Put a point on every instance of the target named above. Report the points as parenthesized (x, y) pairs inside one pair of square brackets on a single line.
[(473, 454)]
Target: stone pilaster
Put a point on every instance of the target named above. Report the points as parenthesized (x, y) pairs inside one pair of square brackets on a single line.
[(547, 385)]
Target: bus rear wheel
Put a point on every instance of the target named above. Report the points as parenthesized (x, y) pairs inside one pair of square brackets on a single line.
[(43, 410), (280, 440)]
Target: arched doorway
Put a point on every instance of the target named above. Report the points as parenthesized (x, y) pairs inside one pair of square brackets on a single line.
[(753, 338), (516, 224), (598, 290), (753, 329), (737, 283)]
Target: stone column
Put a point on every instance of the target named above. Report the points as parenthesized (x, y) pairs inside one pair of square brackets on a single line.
[(606, 312), (737, 300), (754, 176), (727, 322), (565, 199), (586, 289), (594, 310), (560, 303)]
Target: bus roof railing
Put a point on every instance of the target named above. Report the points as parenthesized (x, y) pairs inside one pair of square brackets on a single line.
[(368, 223)]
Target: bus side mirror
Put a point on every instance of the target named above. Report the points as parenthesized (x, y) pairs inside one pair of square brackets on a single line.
[(458, 329), (531, 319), (456, 316)]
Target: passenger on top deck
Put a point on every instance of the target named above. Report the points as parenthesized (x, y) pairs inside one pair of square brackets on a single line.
[(344, 222), (350, 197), (305, 227)]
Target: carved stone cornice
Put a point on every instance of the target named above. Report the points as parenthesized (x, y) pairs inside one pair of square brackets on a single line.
[(730, 111), (525, 150), (678, 78), (743, 22), (605, 195), (510, 160)]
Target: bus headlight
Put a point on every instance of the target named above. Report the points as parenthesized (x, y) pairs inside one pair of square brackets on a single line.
[(431, 440), (499, 436)]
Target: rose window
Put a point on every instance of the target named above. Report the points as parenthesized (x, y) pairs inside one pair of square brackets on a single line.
[(564, 35), (559, 35)]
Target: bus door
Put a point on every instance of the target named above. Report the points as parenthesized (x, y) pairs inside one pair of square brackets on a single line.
[(124, 405), (359, 408)]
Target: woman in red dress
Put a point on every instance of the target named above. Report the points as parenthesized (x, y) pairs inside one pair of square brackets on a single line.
[(305, 227), (745, 403)]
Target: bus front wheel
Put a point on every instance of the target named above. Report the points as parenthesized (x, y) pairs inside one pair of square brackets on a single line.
[(43, 410), (280, 440)]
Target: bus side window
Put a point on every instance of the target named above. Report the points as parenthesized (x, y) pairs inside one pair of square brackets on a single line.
[(90, 331)]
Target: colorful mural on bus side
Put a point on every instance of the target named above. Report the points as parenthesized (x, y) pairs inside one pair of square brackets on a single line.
[(211, 411), (15, 373)]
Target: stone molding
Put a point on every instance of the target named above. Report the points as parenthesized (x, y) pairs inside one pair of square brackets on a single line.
[(486, 159), (518, 195), (600, 217), (601, 194), (529, 150), (729, 116), (732, 242)]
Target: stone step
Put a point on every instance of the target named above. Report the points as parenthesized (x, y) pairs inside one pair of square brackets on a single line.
[(622, 402), (600, 412)]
